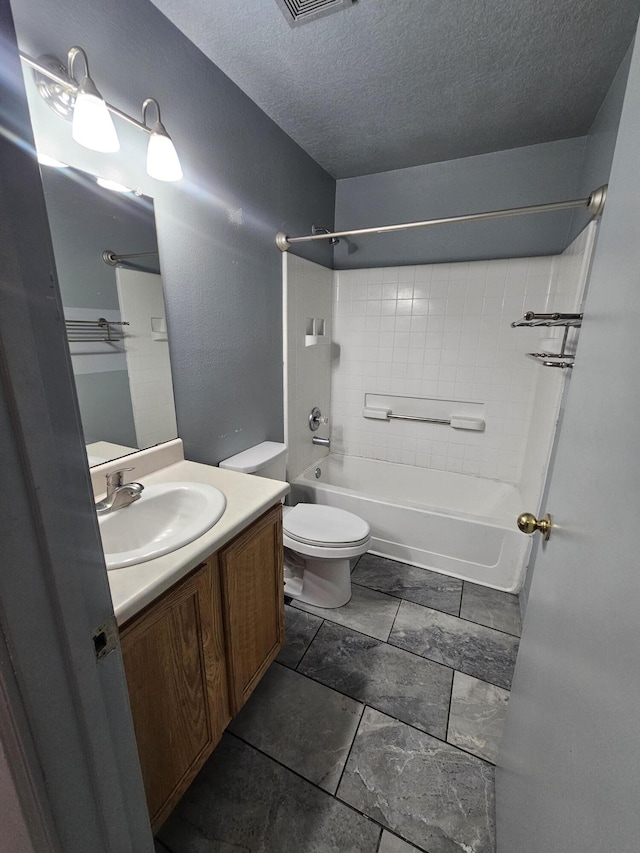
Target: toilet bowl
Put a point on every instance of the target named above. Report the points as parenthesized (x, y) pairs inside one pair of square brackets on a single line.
[(325, 540), (320, 542)]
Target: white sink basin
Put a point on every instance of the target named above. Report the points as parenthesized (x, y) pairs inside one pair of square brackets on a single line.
[(165, 518)]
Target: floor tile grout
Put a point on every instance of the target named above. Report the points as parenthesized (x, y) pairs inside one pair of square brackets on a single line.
[(399, 648), (393, 624), (335, 796), (392, 716), (364, 708), (452, 668), (304, 654), (450, 703), (432, 607), (308, 781)]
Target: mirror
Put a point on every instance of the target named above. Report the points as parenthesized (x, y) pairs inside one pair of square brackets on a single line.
[(114, 311)]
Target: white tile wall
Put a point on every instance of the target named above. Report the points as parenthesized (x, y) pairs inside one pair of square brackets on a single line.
[(440, 331), (141, 298), (570, 272), (308, 291)]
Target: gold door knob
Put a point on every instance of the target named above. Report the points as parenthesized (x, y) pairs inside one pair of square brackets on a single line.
[(528, 523)]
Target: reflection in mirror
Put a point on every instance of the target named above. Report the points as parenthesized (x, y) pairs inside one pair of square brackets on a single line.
[(114, 312)]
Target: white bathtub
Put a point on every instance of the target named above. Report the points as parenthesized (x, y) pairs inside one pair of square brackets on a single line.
[(456, 524)]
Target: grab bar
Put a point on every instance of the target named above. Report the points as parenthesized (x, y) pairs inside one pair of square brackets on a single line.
[(425, 420), (455, 421)]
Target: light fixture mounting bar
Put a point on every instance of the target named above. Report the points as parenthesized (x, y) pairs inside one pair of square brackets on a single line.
[(73, 87)]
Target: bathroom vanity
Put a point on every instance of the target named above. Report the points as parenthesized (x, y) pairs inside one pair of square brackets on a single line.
[(199, 627)]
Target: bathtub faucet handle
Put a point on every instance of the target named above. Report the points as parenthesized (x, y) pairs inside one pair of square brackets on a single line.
[(315, 419)]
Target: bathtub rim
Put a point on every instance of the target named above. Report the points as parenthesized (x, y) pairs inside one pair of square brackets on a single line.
[(491, 521)]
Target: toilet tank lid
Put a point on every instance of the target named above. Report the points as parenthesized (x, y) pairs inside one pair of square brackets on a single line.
[(254, 458)]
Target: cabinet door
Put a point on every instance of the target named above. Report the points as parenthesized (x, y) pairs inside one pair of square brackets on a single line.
[(253, 603), (176, 673)]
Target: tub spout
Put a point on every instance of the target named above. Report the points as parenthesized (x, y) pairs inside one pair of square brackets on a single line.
[(323, 442)]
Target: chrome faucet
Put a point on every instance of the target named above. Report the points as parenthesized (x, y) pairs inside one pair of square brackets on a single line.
[(119, 494)]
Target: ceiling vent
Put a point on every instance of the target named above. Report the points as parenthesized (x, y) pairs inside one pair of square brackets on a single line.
[(299, 12)]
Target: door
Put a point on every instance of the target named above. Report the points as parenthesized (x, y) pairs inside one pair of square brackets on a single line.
[(569, 773), (65, 723)]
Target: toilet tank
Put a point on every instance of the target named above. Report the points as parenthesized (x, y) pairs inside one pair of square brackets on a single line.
[(268, 459)]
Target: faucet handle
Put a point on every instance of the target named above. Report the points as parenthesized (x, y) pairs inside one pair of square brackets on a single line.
[(114, 478), (315, 419)]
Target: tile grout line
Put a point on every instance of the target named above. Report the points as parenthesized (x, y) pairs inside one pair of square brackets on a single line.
[(342, 624), (392, 716), (448, 666), (304, 654), (393, 646), (401, 598), (453, 681), (308, 781), (317, 787), (445, 612), (346, 761), (393, 625)]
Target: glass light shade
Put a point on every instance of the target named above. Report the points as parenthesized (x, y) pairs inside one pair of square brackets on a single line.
[(45, 160), (92, 124), (162, 157), (114, 186)]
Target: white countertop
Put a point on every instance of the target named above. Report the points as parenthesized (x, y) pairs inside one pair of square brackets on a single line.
[(248, 497)]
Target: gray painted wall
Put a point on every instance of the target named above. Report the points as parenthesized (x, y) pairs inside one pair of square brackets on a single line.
[(245, 179), (105, 407), (601, 141), (84, 220), (521, 176), (536, 174)]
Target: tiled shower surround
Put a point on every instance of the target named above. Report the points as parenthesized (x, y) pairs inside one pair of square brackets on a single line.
[(440, 331), (444, 331), (307, 293)]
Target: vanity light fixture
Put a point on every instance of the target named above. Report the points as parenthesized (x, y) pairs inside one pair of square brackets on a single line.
[(114, 186), (162, 157), (93, 125), (45, 160)]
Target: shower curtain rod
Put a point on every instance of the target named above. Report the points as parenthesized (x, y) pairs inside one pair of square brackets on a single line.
[(114, 260), (594, 203)]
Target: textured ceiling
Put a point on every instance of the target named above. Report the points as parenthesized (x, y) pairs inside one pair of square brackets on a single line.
[(387, 84)]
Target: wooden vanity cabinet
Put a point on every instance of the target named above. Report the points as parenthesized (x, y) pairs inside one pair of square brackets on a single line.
[(252, 603), (175, 663), (193, 657)]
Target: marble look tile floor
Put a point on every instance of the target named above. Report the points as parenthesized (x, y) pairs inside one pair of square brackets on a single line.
[(369, 612), (375, 731)]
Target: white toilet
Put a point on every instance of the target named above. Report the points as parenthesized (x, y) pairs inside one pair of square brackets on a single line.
[(319, 541)]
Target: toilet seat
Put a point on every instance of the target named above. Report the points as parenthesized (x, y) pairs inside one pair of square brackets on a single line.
[(320, 541), (325, 527)]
